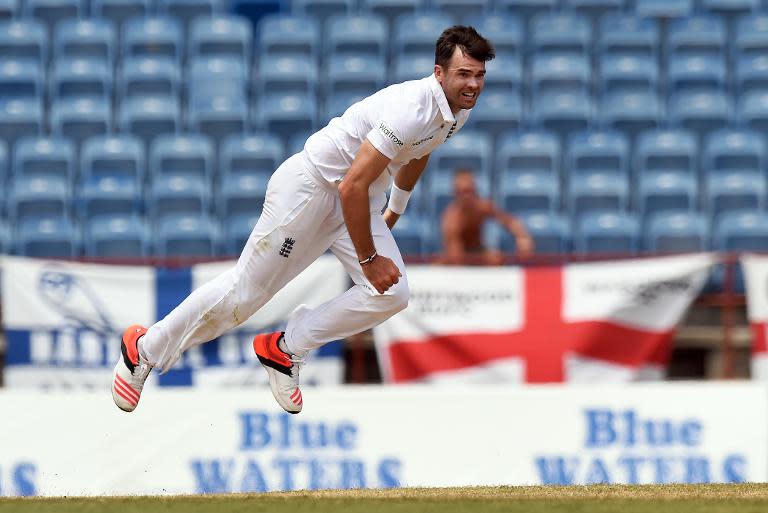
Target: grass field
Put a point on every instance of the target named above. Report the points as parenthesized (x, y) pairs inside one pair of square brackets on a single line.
[(745, 498)]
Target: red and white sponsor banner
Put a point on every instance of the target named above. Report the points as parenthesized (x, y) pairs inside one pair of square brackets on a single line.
[(756, 283), (598, 321)]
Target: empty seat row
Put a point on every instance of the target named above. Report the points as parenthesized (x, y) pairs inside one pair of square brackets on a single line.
[(201, 235), (608, 233)]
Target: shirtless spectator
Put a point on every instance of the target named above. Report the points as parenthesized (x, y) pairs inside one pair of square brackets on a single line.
[(462, 224)]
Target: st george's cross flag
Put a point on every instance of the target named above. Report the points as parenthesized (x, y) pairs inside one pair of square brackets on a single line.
[(755, 269), (597, 321)]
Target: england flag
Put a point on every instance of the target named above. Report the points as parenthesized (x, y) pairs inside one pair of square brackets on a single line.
[(599, 321)]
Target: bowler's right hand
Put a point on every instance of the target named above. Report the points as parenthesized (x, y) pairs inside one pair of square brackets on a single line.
[(382, 273)]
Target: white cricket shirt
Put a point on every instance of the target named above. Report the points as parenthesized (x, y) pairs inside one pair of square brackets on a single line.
[(404, 121)]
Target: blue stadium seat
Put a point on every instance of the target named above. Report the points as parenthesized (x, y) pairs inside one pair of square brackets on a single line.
[(89, 38), (359, 34), (504, 74), (19, 118), (114, 156), (698, 36), (598, 151), (295, 142), (440, 190), (148, 76), (154, 36), (411, 234), (21, 78), (286, 114), (734, 150), (701, 112), (665, 191), (528, 152), (190, 155), (750, 36), (109, 195), (734, 190), (81, 118), (177, 194), (188, 10), (676, 232), (525, 8), (80, 78), (286, 74), (627, 34), (664, 9), (563, 113), (219, 117), (221, 36), (607, 233), (522, 193), (6, 233), (631, 113), (43, 156), (415, 34), (596, 8), (48, 237), (149, 116), (730, 8), (51, 12), (753, 111), (120, 11), (354, 74), (323, 9), (751, 74), (237, 229), (9, 9), (392, 9), (696, 73), (667, 150), (560, 73), (38, 196), (741, 231), (505, 30), (413, 68), (560, 33), (551, 233), (117, 236), (186, 236), (281, 34), (241, 194), (337, 103), (464, 9), (497, 112), (628, 74), (467, 149), (4, 166), (23, 39), (211, 77), (597, 191)]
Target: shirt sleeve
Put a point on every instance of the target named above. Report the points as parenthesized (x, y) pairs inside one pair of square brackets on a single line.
[(392, 132)]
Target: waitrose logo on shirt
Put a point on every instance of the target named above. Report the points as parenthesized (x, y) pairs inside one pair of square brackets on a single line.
[(390, 133)]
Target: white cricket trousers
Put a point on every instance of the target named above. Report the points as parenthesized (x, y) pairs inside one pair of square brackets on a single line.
[(301, 219)]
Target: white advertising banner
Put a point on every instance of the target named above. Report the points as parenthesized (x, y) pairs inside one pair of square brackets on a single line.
[(63, 322), (755, 269), (211, 441)]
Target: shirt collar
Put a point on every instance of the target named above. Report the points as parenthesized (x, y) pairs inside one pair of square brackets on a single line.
[(442, 102)]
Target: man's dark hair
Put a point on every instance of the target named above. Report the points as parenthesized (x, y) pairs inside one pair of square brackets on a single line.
[(466, 38)]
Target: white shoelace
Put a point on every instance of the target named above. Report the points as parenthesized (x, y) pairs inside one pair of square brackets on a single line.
[(140, 374), (298, 361)]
